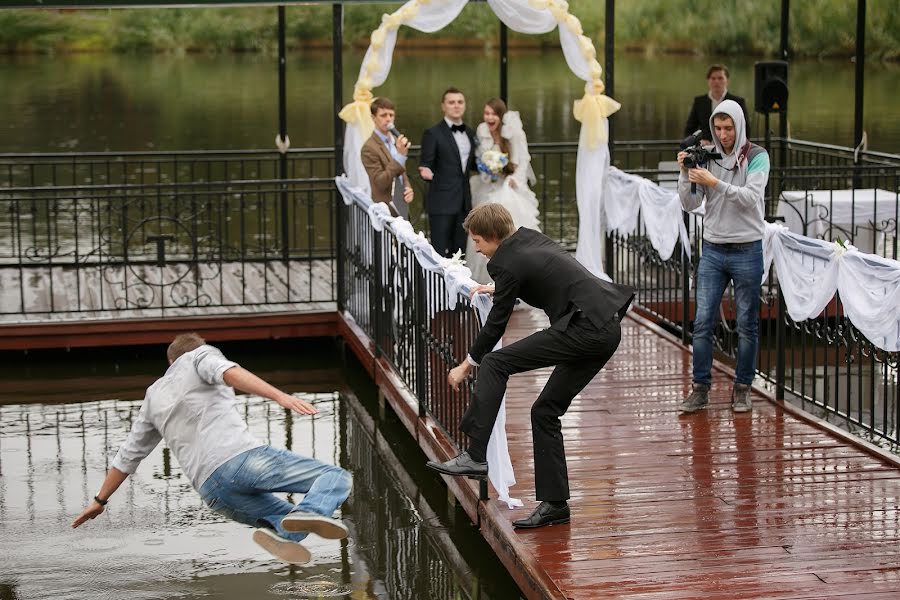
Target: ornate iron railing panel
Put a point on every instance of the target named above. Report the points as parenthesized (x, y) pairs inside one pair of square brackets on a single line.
[(159, 247), (405, 311)]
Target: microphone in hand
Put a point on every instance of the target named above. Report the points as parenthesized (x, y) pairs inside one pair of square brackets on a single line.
[(402, 143)]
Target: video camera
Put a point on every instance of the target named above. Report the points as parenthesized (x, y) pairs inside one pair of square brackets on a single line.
[(697, 155)]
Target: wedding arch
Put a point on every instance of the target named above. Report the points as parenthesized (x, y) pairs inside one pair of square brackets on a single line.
[(523, 16)]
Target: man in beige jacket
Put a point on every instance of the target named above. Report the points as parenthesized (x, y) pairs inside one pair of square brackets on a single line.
[(384, 158)]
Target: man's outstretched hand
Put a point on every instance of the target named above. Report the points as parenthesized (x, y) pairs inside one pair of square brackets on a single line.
[(241, 379), (296, 404), (481, 289), (92, 511), (114, 478), (458, 374)]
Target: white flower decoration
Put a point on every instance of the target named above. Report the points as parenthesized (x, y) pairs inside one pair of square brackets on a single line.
[(841, 247), (457, 259)]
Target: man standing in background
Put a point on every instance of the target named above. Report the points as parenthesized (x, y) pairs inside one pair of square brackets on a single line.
[(705, 104)]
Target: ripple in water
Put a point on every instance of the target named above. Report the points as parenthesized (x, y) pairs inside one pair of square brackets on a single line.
[(97, 544), (207, 533), (321, 588)]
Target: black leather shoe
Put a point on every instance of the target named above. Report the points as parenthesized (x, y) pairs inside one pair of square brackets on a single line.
[(461, 465), (544, 514)]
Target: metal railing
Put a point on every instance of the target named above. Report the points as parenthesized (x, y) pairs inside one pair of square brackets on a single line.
[(824, 365), (153, 248), (404, 310), (144, 168), (164, 230)]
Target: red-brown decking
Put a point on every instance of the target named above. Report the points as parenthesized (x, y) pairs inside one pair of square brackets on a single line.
[(713, 505)]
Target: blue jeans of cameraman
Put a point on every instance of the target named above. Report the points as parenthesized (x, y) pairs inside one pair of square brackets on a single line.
[(743, 265)]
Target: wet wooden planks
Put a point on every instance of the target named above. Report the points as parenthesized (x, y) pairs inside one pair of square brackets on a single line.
[(710, 505)]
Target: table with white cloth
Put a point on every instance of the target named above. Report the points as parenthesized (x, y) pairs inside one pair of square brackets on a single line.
[(865, 217)]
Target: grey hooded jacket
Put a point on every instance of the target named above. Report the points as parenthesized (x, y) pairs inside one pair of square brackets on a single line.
[(735, 207)]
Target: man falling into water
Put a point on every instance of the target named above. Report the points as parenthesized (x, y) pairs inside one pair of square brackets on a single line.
[(192, 407)]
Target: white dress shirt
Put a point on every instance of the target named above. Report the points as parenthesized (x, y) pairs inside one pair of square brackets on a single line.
[(716, 101), (462, 142), (192, 408), (392, 147)]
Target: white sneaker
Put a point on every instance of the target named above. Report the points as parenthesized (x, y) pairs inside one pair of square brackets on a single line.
[(322, 526), (281, 548)]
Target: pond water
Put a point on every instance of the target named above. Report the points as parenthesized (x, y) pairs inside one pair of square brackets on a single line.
[(168, 102), (157, 540)]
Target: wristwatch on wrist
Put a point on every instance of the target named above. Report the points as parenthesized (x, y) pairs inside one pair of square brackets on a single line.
[(99, 501)]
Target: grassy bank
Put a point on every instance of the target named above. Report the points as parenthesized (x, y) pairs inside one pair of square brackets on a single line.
[(822, 28)]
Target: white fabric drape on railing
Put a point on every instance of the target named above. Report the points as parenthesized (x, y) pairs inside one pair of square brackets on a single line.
[(458, 280), (810, 271), (629, 195), (525, 16)]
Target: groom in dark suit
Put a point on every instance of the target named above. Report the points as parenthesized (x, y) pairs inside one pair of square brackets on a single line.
[(584, 333), (448, 156)]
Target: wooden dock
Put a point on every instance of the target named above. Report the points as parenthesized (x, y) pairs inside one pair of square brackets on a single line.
[(769, 505)]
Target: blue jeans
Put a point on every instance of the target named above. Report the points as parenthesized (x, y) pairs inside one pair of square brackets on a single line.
[(241, 489), (742, 264)]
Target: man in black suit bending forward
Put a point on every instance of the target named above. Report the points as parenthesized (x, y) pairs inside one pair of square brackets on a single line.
[(448, 155), (584, 333)]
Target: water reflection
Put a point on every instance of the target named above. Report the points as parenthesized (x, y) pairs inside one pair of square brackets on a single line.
[(167, 102), (157, 539)]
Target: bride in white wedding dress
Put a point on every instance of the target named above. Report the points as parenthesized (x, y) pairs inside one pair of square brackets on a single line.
[(502, 132)]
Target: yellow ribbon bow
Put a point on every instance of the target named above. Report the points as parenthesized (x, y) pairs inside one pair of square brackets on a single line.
[(592, 111), (359, 112)]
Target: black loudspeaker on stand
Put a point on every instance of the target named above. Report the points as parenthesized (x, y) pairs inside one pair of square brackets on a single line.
[(770, 85), (771, 95)]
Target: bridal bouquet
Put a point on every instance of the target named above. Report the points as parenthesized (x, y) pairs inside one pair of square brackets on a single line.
[(490, 164)]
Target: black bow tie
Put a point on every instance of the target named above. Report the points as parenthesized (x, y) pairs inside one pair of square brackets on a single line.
[(455, 128)]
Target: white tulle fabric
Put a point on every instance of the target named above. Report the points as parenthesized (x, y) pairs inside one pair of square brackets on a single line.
[(629, 196), (459, 283), (590, 183), (513, 131), (524, 16), (810, 271)]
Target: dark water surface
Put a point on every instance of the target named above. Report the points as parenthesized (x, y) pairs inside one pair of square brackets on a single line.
[(168, 102), (157, 540)]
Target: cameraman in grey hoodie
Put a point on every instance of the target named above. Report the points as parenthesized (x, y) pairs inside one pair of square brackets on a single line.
[(733, 226)]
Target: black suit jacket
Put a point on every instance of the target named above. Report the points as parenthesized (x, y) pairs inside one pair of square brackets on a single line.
[(531, 266), (449, 191), (701, 111)]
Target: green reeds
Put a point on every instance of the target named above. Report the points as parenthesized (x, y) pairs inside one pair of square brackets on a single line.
[(818, 28)]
